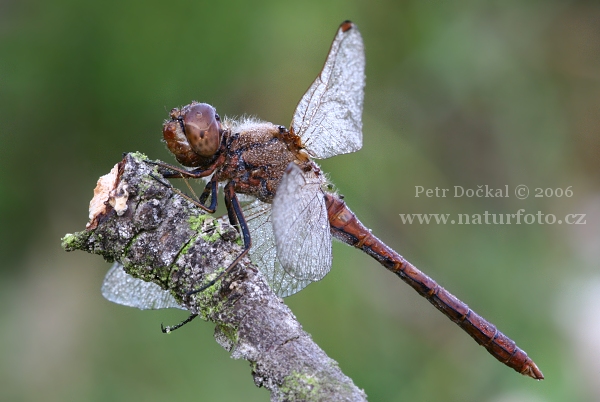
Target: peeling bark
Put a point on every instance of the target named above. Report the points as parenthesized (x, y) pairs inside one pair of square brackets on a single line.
[(160, 237)]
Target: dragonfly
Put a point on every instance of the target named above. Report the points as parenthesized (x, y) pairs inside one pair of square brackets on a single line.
[(288, 225)]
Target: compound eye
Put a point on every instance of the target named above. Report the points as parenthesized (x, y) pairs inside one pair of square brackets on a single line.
[(203, 129)]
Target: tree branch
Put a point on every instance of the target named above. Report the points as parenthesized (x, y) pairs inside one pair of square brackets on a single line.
[(159, 236)]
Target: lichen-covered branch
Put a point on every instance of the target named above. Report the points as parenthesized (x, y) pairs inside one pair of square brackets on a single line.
[(159, 236)]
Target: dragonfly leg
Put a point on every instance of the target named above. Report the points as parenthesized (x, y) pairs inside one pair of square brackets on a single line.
[(210, 189), (171, 328), (236, 218), (175, 172)]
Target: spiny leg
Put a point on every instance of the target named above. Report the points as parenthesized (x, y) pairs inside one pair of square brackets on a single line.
[(171, 328), (175, 172), (211, 189), (236, 217)]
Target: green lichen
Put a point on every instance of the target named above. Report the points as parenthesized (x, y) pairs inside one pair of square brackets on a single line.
[(196, 222), (138, 156), (188, 246), (75, 241), (302, 386), (206, 297), (216, 233), (69, 242), (239, 241), (230, 332), (144, 186), (141, 271), (207, 227)]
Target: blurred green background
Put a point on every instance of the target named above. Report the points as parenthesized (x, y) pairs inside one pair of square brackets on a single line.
[(458, 94)]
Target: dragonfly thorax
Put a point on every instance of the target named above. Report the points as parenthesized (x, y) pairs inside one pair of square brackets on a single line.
[(256, 155)]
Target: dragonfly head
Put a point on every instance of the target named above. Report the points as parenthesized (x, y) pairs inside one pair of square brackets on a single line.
[(193, 134), (202, 126)]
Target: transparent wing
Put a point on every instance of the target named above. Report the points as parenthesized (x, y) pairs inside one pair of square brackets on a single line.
[(301, 225), (121, 288), (264, 252), (328, 118)]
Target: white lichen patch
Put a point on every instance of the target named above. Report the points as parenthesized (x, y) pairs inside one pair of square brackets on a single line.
[(107, 193), (118, 198), (102, 191)]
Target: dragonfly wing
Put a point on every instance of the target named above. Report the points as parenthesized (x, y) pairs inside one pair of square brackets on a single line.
[(264, 252), (328, 118), (301, 226), (121, 288)]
